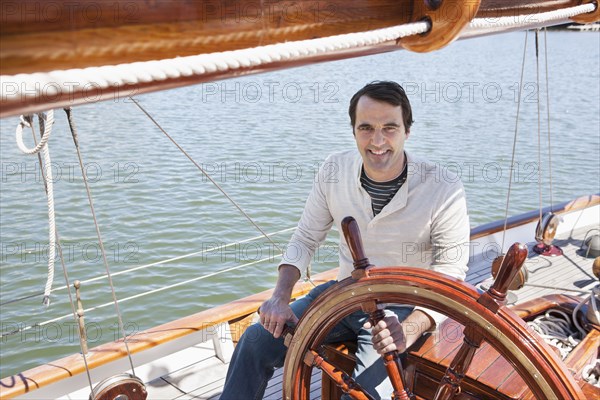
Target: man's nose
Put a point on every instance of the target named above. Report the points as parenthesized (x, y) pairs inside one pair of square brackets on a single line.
[(378, 137)]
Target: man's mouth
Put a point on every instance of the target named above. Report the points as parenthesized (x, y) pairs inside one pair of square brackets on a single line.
[(378, 152)]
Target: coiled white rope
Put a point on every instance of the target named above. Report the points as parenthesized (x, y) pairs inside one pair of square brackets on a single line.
[(591, 373), (48, 121), (526, 20), (555, 328)]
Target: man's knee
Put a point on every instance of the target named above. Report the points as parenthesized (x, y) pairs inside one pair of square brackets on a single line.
[(255, 333)]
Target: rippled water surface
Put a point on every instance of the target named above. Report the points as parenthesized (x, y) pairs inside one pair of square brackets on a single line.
[(261, 138)]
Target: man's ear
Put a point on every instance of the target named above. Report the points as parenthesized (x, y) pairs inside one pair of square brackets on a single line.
[(407, 133)]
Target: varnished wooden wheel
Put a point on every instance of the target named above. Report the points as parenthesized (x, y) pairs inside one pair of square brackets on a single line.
[(533, 360), (484, 317)]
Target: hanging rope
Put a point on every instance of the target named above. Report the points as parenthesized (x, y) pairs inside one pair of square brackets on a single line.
[(42, 146), (514, 148), (548, 117), (62, 262), (539, 121), (100, 242)]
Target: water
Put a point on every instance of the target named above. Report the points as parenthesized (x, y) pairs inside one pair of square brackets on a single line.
[(262, 138)]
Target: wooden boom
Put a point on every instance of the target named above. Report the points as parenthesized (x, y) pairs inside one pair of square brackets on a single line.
[(46, 36)]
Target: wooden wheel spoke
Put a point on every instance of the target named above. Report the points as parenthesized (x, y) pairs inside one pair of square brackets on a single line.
[(495, 297), (342, 379), (450, 384), (391, 360)]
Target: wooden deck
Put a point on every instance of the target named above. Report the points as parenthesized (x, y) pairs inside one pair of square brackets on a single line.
[(203, 377)]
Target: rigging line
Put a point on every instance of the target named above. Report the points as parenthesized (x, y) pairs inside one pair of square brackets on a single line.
[(100, 243), (62, 261), (42, 146), (548, 117), (512, 161), (152, 264), (14, 332), (308, 269), (539, 121), (206, 174), (198, 278)]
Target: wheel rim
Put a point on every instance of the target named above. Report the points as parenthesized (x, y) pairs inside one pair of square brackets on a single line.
[(532, 359)]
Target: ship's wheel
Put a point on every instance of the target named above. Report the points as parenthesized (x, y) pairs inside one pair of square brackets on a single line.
[(484, 316)]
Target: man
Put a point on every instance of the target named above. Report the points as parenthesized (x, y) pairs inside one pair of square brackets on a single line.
[(408, 214)]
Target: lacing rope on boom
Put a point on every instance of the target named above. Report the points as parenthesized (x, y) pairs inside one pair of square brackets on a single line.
[(48, 121), (527, 20), (125, 75)]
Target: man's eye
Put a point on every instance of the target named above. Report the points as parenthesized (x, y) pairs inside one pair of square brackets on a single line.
[(390, 129), (365, 128)]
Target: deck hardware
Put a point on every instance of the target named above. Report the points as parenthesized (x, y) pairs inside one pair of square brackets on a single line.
[(120, 387), (590, 246), (433, 4), (544, 235), (444, 30), (81, 322)]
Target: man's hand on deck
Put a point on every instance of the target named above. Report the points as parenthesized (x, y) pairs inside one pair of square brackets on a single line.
[(274, 313)]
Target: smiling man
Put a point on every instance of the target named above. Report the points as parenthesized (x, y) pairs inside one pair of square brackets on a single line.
[(407, 215)]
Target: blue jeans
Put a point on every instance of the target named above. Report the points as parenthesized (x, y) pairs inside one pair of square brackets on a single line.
[(258, 354)]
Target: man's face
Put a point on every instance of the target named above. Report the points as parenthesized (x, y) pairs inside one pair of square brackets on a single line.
[(380, 134)]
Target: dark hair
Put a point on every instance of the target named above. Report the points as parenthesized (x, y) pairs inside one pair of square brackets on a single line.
[(387, 92)]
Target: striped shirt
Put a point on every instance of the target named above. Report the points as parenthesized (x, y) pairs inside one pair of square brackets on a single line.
[(381, 192)]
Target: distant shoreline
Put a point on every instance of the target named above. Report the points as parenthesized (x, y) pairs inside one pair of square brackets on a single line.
[(594, 27)]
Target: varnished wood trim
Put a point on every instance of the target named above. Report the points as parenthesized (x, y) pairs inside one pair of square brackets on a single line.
[(446, 23), (523, 219), (585, 353), (72, 365)]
